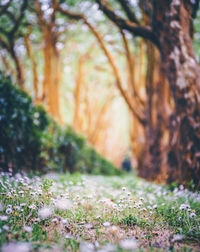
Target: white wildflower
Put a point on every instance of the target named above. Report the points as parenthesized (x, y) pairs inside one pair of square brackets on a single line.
[(16, 247), (88, 226), (65, 221), (4, 218), (187, 206), (1, 206), (54, 220), (182, 207), (181, 187), (45, 212), (17, 208), (109, 248), (6, 227), (63, 204), (32, 206), (155, 206), (8, 210), (177, 237), (128, 244), (192, 215), (68, 236), (86, 247), (106, 224), (28, 229), (113, 229)]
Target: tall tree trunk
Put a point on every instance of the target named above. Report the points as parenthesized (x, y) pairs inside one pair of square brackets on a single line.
[(152, 167), (172, 25), (52, 76), (77, 94), (56, 84), (34, 65), (47, 52), (18, 66)]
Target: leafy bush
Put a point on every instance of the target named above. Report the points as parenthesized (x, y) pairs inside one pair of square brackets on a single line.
[(64, 150), (32, 140), (21, 128)]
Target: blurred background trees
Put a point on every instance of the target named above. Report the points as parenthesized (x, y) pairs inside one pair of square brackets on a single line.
[(122, 73)]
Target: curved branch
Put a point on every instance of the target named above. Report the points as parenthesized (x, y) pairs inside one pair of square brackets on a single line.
[(20, 17), (137, 30), (4, 44), (33, 61), (130, 14), (109, 57), (130, 64)]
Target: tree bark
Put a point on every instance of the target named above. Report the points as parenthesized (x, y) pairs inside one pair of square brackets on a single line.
[(52, 75), (34, 66), (18, 66), (172, 26)]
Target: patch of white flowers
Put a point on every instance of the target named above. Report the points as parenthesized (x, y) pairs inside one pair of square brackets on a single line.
[(128, 244), (59, 205), (45, 212)]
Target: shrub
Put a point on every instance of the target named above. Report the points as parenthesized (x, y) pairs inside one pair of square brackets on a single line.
[(21, 128), (30, 139), (64, 150)]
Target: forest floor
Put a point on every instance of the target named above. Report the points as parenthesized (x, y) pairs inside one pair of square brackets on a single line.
[(96, 213)]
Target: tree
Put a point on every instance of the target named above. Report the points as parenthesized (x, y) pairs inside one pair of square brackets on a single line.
[(170, 29), (141, 109), (11, 23), (47, 22)]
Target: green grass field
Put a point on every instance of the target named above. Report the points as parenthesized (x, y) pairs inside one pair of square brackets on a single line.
[(96, 213)]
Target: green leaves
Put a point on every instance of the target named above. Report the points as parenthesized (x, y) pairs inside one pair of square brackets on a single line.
[(31, 140), (46, 184), (21, 127)]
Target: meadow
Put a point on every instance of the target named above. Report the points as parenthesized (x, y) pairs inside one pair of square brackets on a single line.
[(96, 213)]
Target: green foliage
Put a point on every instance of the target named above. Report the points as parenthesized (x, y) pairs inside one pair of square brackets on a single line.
[(46, 184), (197, 36), (21, 127), (64, 150), (129, 220), (31, 140)]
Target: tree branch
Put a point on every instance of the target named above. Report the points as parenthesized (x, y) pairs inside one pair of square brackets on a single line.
[(137, 30), (130, 64), (19, 19), (4, 44), (130, 14), (4, 7), (79, 16), (195, 8)]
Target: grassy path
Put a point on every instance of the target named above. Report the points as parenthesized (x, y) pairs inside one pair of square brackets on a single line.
[(95, 213)]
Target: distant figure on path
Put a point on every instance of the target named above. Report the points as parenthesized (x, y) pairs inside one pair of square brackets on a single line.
[(126, 164)]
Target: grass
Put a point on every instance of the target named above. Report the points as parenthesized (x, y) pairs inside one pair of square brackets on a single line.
[(96, 213)]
